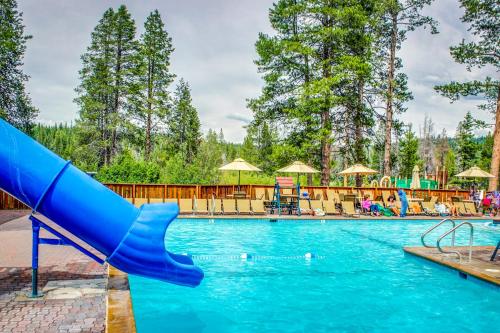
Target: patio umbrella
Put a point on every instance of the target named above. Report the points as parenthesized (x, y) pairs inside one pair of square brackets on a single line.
[(415, 178), (475, 172), (357, 169), (298, 167), (239, 165)]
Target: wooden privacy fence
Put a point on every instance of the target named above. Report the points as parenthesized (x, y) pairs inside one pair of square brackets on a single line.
[(164, 191)]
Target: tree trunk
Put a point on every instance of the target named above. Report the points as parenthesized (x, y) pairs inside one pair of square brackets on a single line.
[(149, 146), (390, 96), (325, 152), (495, 157)]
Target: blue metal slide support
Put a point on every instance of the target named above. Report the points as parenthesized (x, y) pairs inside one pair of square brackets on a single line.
[(494, 255)]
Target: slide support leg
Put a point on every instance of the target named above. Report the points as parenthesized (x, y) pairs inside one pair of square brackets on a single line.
[(493, 256), (35, 226)]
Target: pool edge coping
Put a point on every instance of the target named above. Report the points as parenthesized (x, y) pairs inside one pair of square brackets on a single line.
[(119, 311), (453, 266)]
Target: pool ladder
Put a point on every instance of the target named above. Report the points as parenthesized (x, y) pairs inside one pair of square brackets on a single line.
[(451, 231)]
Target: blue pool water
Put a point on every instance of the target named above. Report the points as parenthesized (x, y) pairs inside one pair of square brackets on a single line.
[(360, 281)]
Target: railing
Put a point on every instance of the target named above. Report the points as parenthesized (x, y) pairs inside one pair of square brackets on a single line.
[(471, 241), (422, 237), (163, 191)]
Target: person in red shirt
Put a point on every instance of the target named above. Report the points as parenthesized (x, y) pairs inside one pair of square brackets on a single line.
[(486, 204)]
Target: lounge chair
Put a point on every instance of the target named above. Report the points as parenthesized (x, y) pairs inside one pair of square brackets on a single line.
[(348, 209), (319, 195), (258, 207), (429, 209), (471, 208), (288, 191), (304, 207), (243, 206), (140, 201), (215, 206), (229, 206), (385, 196), (260, 193), (329, 207), (201, 206), (461, 209), (414, 208), (186, 206), (433, 200), (330, 194), (316, 204)]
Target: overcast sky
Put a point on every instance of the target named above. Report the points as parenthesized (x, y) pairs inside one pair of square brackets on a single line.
[(214, 51)]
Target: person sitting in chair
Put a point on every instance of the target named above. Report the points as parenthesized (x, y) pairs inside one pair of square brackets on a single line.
[(392, 205)]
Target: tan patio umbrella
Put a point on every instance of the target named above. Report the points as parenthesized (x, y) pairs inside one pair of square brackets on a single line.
[(475, 172), (415, 178), (298, 167), (239, 165), (356, 169)]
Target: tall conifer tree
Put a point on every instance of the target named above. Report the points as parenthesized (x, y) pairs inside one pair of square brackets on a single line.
[(15, 104), (184, 124), (483, 17), (150, 104)]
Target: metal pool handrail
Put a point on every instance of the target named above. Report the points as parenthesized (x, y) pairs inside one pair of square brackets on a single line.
[(434, 227), (471, 240)]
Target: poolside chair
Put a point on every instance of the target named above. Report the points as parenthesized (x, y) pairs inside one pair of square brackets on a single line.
[(229, 206), (344, 192), (260, 193), (471, 208), (319, 195), (414, 208), (215, 206), (270, 193), (258, 207), (140, 201), (330, 194), (288, 191), (243, 206), (461, 208), (429, 208), (316, 204), (186, 206), (155, 200), (348, 209), (304, 207), (385, 196), (330, 208), (200, 206), (433, 200)]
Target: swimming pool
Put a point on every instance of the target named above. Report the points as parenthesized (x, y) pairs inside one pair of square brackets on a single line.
[(359, 281)]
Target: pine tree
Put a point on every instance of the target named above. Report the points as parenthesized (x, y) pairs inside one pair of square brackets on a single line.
[(150, 103), (483, 17), (15, 104), (408, 153), (398, 17), (467, 147), (107, 79), (315, 69), (184, 124)]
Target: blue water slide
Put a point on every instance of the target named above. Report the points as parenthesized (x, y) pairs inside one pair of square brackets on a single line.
[(132, 239)]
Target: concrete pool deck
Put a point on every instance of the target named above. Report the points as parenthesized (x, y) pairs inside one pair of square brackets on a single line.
[(479, 267), (74, 286)]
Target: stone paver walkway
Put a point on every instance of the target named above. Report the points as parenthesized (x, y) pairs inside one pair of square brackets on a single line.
[(80, 313)]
